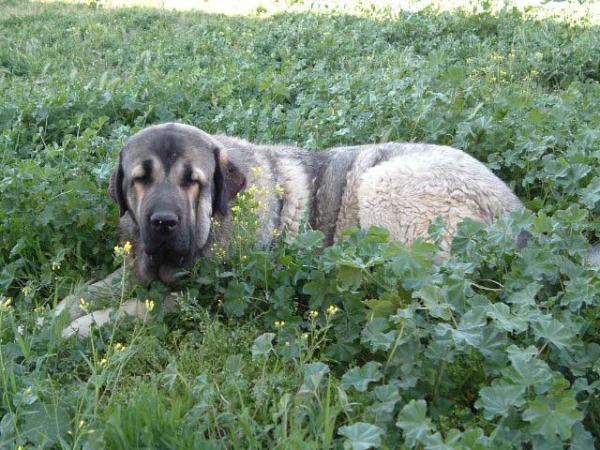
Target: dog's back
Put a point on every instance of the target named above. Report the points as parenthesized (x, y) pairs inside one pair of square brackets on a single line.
[(403, 187)]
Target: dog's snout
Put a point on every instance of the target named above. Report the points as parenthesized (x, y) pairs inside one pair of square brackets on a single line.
[(164, 221)]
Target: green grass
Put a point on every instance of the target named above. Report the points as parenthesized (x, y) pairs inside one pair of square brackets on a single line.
[(495, 348)]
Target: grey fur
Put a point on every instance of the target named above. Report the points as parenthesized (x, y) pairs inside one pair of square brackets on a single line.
[(400, 186)]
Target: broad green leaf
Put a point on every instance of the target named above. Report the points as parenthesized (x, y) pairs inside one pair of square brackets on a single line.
[(475, 439), (387, 304), (590, 195), (234, 364), (548, 419), (434, 301), (381, 308), (387, 398), (44, 425), (360, 377), (361, 436), (497, 400), (470, 328), (542, 223), (202, 389), (234, 302), (170, 375), (537, 263), (503, 318), (263, 345), (375, 336), (26, 396), (553, 331), (577, 292), (414, 422), (349, 278), (526, 370), (438, 442), (378, 234), (492, 346), (343, 351), (7, 425), (314, 374), (317, 288), (582, 439), (441, 350), (468, 230)]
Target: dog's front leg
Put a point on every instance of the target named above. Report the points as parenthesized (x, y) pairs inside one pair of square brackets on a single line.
[(91, 294), (136, 308), (82, 325)]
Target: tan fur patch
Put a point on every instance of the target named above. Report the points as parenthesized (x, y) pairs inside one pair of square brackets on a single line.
[(349, 208), (296, 196)]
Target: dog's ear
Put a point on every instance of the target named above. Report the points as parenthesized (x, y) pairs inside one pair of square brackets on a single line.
[(228, 181), (115, 189)]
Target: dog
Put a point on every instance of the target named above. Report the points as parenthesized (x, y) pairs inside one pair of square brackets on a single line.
[(174, 181)]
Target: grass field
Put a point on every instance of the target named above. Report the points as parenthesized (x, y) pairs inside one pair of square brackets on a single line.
[(361, 345)]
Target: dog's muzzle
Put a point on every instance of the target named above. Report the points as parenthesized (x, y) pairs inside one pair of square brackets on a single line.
[(166, 240), (164, 222)]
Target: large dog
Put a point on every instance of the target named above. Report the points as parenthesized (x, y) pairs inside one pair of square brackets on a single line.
[(173, 181)]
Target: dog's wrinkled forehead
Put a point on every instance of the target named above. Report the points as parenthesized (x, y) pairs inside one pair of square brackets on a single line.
[(169, 144)]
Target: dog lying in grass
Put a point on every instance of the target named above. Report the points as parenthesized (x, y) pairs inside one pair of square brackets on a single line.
[(174, 181)]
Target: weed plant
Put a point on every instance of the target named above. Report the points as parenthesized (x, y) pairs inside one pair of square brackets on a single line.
[(365, 344)]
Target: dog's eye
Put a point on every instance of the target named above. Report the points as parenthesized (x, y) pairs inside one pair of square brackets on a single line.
[(143, 180), (188, 183)]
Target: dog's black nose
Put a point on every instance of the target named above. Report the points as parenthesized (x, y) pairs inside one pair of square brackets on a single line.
[(164, 221)]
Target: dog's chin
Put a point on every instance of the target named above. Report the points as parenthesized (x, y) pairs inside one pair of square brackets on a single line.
[(170, 275), (165, 265)]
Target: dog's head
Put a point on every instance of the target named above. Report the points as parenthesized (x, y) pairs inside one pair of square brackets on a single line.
[(171, 179)]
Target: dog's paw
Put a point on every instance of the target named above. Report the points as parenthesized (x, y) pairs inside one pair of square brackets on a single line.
[(82, 326)]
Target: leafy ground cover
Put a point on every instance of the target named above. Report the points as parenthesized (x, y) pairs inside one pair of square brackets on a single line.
[(361, 345)]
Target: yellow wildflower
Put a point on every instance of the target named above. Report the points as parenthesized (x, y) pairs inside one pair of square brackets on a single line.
[(279, 190), (279, 323), (313, 314), (150, 305), (124, 250), (6, 303), (332, 310)]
